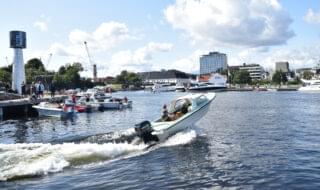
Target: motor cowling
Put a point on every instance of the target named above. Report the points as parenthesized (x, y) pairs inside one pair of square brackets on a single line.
[(144, 131)]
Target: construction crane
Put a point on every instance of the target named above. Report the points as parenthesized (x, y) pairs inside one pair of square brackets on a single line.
[(7, 60), (90, 61), (49, 59)]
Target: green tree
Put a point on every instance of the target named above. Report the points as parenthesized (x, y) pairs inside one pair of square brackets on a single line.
[(35, 70), (223, 72), (242, 77), (128, 78), (35, 64), (68, 76), (307, 75), (279, 77), (7, 68), (5, 76), (231, 75)]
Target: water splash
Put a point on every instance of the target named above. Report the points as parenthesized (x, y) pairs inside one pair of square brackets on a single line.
[(181, 138), (25, 160), (36, 159)]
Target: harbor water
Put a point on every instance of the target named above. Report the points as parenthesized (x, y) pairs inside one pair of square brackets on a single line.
[(247, 140)]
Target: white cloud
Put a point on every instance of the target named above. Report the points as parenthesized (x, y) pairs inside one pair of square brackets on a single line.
[(41, 25), (298, 58), (104, 37), (189, 64), (312, 17), (139, 60), (249, 23)]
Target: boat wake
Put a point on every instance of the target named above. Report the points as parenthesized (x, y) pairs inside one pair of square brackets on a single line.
[(37, 159), (184, 137)]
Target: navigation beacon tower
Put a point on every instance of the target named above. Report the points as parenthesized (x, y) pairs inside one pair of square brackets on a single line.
[(18, 42)]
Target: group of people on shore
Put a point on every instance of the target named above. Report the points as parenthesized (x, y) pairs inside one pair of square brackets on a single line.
[(34, 90), (37, 89)]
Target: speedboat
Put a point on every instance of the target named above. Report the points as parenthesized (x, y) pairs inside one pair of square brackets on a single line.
[(117, 103), (180, 88), (96, 93), (215, 82), (93, 104), (206, 86), (185, 112), (157, 87), (310, 85), (55, 110)]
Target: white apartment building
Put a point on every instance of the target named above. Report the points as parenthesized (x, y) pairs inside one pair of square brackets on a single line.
[(255, 70), (213, 62)]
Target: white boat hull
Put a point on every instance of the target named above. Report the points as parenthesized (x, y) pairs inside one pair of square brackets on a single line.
[(310, 88), (165, 129), (52, 112), (184, 123), (111, 105), (311, 85), (207, 88)]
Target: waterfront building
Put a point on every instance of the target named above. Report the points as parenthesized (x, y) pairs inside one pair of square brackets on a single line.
[(105, 80), (282, 66), (166, 77), (213, 62), (255, 70), (315, 71)]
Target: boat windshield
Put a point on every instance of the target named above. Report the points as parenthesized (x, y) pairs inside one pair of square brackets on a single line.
[(177, 105), (201, 99)]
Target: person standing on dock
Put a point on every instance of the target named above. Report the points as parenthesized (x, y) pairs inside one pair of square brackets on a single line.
[(52, 89), (36, 86), (32, 90), (40, 89), (7, 87), (23, 89)]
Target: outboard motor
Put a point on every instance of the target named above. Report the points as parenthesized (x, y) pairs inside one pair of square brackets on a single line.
[(144, 131)]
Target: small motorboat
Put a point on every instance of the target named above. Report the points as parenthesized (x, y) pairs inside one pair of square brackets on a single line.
[(185, 111), (158, 87), (87, 107), (117, 103), (55, 110), (215, 83), (90, 103), (180, 88), (310, 85)]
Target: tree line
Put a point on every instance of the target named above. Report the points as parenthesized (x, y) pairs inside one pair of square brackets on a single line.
[(67, 76), (243, 77)]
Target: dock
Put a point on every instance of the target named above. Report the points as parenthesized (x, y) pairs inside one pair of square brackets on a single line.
[(22, 107)]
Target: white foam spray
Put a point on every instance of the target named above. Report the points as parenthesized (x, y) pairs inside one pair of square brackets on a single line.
[(180, 138), (20, 160)]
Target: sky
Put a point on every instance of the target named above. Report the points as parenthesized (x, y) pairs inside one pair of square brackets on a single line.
[(144, 35)]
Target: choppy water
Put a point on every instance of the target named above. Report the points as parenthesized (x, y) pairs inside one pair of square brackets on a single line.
[(248, 140)]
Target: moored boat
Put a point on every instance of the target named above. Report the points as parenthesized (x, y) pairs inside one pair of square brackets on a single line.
[(310, 85), (158, 87), (55, 110), (92, 104), (180, 88), (215, 83)]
